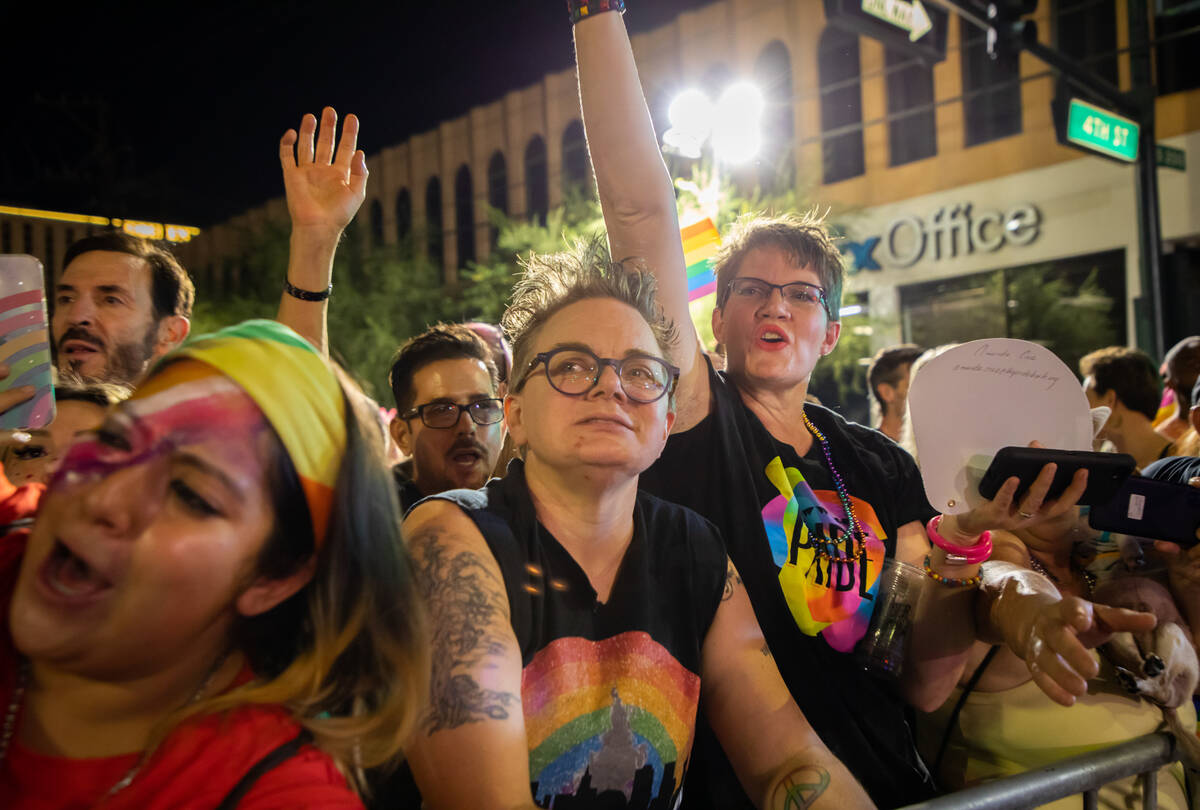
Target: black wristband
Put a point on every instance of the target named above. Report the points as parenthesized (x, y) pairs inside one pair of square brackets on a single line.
[(581, 9), (306, 295)]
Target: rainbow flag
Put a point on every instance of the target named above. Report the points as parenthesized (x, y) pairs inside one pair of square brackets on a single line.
[(701, 241), (25, 349)]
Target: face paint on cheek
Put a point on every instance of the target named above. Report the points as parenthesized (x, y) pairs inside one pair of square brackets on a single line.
[(190, 413)]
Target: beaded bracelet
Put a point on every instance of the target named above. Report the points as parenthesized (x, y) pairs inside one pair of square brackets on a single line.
[(959, 555), (949, 582), (578, 9)]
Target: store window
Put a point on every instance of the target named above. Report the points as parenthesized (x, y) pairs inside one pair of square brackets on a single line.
[(575, 167), (6, 237), (464, 215), (433, 223), (840, 74), (1071, 306), (404, 221), (497, 191), (376, 225), (773, 74), (537, 184), (1086, 31), (912, 125), (991, 88), (1177, 66)]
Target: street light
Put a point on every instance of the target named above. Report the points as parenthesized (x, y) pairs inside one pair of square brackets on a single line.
[(732, 125)]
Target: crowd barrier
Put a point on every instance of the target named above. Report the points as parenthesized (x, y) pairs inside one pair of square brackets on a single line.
[(1083, 775)]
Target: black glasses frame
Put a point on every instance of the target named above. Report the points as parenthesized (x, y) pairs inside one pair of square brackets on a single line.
[(601, 362), (471, 408), (783, 287)]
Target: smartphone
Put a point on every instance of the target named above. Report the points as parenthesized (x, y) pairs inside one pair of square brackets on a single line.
[(1106, 472), (1157, 510), (25, 342)]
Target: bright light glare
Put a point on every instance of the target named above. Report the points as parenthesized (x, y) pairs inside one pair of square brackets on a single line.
[(691, 112), (737, 128), (849, 310)]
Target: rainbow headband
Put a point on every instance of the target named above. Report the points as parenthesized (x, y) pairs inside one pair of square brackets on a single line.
[(297, 392)]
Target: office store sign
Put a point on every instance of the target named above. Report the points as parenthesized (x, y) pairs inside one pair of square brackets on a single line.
[(952, 232)]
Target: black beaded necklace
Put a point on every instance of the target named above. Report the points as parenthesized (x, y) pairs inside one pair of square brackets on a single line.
[(856, 544)]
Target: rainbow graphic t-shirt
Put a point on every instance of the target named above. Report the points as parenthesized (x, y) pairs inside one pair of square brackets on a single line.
[(834, 599), (609, 717)]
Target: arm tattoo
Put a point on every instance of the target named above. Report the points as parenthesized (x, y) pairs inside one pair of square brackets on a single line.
[(732, 580), (765, 650), (464, 598), (800, 788)]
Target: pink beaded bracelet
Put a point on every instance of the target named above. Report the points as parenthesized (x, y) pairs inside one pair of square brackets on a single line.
[(962, 555)]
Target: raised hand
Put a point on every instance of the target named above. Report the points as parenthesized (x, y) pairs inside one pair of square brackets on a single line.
[(324, 188)]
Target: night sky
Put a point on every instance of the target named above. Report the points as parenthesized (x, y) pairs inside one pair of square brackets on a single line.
[(172, 112)]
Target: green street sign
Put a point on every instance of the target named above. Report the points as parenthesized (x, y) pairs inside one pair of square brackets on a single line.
[(911, 18), (1170, 158), (1096, 129)]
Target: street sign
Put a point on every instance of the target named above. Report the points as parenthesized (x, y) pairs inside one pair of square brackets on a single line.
[(907, 26), (908, 17), (1097, 130), (1170, 158)]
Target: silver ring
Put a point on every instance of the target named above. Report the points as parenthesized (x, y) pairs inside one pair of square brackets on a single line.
[(1026, 515)]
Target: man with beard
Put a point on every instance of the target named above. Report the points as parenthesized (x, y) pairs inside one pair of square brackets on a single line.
[(448, 415), (120, 303)]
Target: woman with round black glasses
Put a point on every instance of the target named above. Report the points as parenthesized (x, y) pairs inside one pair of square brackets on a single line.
[(575, 617)]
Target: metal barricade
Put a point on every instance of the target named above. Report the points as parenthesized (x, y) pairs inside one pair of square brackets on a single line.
[(1084, 775)]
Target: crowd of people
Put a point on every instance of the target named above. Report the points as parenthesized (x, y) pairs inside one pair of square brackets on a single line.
[(581, 567)]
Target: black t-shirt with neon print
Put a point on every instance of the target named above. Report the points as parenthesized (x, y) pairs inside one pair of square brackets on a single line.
[(766, 500)]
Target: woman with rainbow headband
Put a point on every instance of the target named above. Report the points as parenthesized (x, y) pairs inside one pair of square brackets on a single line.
[(213, 607)]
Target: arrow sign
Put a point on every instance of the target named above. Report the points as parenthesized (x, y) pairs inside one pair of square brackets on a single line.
[(910, 17)]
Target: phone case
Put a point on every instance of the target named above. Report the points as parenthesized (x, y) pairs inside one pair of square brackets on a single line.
[(25, 341), (1106, 472), (1157, 510)]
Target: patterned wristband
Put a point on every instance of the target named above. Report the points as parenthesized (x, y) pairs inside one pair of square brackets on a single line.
[(960, 555), (306, 295), (968, 582), (579, 9)]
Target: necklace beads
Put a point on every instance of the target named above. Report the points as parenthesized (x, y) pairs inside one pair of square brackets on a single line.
[(855, 539)]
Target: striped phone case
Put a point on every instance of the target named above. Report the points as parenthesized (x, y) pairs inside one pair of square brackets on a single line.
[(25, 341)]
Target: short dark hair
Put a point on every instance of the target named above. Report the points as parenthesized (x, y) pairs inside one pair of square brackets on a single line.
[(171, 289), (443, 341), (1128, 372), (803, 238), (552, 281), (1183, 368), (886, 367)]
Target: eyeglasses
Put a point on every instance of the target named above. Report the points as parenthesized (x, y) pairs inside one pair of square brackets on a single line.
[(797, 294), (644, 378), (445, 415)]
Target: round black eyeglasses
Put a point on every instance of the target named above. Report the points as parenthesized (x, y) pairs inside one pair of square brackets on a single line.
[(445, 414), (644, 378)]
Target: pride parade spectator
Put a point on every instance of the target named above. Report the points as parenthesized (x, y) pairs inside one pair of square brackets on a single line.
[(79, 408), (214, 603), (579, 624), (1181, 370), (1182, 469), (888, 379), (809, 505), (449, 417), (1125, 381)]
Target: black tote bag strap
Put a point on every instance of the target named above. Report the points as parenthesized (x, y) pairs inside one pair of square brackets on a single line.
[(271, 760)]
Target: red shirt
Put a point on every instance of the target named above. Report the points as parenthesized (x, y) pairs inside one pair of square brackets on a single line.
[(194, 768)]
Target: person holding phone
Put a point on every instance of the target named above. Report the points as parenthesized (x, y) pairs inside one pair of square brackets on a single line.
[(810, 506)]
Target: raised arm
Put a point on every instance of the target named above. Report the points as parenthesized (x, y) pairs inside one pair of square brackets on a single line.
[(324, 191), (779, 759), (636, 192), (470, 748)]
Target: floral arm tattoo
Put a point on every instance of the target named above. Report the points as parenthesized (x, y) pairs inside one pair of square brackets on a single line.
[(465, 599)]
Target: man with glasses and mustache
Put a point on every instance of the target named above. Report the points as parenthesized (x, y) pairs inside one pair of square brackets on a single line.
[(449, 418)]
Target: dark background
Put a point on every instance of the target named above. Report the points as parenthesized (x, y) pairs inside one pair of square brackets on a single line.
[(172, 112)]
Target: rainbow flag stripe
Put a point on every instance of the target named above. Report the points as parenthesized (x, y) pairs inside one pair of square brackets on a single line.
[(25, 348), (573, 691), (700, 243)]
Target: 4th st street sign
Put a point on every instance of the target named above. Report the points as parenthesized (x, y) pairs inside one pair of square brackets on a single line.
[(907, 26)]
